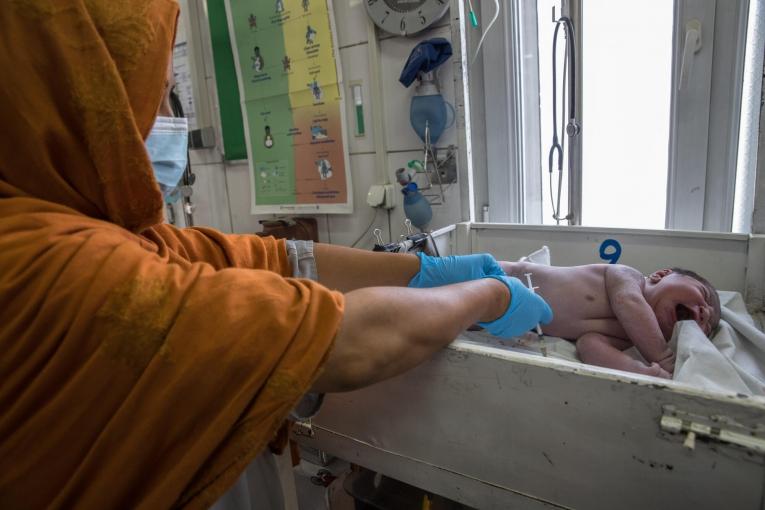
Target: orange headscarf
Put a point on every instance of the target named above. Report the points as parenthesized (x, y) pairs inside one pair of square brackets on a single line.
[(142, 365)]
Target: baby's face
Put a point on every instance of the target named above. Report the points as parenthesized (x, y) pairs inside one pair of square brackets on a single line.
[(679, 297)]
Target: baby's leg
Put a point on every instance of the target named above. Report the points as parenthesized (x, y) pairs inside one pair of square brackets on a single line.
[(606, 351)]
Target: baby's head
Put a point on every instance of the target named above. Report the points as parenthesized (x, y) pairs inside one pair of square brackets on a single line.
[(677, 294)]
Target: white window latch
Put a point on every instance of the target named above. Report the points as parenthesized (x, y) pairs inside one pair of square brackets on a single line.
[(690, 48)]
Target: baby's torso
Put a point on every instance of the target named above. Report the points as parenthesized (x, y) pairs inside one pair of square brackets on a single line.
[(577, 296)]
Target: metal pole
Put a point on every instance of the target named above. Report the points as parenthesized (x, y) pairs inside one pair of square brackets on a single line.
[(574, 8)]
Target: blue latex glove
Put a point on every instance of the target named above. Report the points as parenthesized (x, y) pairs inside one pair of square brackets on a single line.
[(526, 310), (438, 271)]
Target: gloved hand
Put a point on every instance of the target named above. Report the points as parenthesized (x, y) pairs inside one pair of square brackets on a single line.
[(526, 310), (438, 271)]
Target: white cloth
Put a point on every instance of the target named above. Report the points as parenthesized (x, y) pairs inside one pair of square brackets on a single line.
[(733, 360), (258, 487)]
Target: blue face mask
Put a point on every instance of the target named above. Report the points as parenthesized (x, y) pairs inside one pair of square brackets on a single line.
[(167, 146)]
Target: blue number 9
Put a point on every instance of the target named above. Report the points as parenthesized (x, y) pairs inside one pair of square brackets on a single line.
[(610, 256)]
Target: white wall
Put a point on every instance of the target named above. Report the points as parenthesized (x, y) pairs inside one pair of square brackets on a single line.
[(221, 194)]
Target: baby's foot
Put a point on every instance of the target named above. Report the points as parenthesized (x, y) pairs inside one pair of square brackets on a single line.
[(655, 370)]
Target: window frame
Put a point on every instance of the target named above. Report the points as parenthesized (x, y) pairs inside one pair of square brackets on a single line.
[(514, 180)]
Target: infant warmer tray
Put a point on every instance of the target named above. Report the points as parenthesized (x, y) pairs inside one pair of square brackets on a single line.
[(497, 428)]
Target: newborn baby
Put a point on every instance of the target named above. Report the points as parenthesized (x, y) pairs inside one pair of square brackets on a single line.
[(608, 308)]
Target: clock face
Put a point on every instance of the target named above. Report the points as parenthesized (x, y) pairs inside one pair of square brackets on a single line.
[(404, 5), (405, 17)]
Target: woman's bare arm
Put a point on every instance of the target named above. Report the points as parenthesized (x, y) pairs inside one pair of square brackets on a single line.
[(387, 331), (346, 269)]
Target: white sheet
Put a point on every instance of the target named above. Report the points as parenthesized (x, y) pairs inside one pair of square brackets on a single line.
[(732, 361)]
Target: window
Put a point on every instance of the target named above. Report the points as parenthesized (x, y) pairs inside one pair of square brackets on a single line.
[(626, 104), (659, 145)]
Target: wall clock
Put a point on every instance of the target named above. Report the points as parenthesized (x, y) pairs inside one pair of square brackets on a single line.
[(405, 17)]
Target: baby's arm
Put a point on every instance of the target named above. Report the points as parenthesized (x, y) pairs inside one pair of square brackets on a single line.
[(625, 294), (607, 351)]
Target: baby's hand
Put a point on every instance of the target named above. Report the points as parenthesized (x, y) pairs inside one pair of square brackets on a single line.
[(667, 363), (655, 370)]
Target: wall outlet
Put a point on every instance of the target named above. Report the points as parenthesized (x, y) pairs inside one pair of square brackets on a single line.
[(390, 196), (382, 195), (376, 196)]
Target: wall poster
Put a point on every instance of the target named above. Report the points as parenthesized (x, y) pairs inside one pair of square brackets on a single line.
[(291, 91)]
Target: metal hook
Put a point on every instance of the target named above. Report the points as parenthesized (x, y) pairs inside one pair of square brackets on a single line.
[(408, 225)]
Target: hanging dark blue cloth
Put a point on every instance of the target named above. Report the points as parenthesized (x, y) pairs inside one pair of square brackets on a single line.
[(425, 57)]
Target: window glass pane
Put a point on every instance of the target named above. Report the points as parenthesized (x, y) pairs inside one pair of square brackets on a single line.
[(627, 62), (627, 86)]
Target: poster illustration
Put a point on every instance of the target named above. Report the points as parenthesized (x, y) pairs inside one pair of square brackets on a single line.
[(292, 104)]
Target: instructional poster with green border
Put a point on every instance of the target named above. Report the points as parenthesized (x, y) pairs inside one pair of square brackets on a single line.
[(292, 103)]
